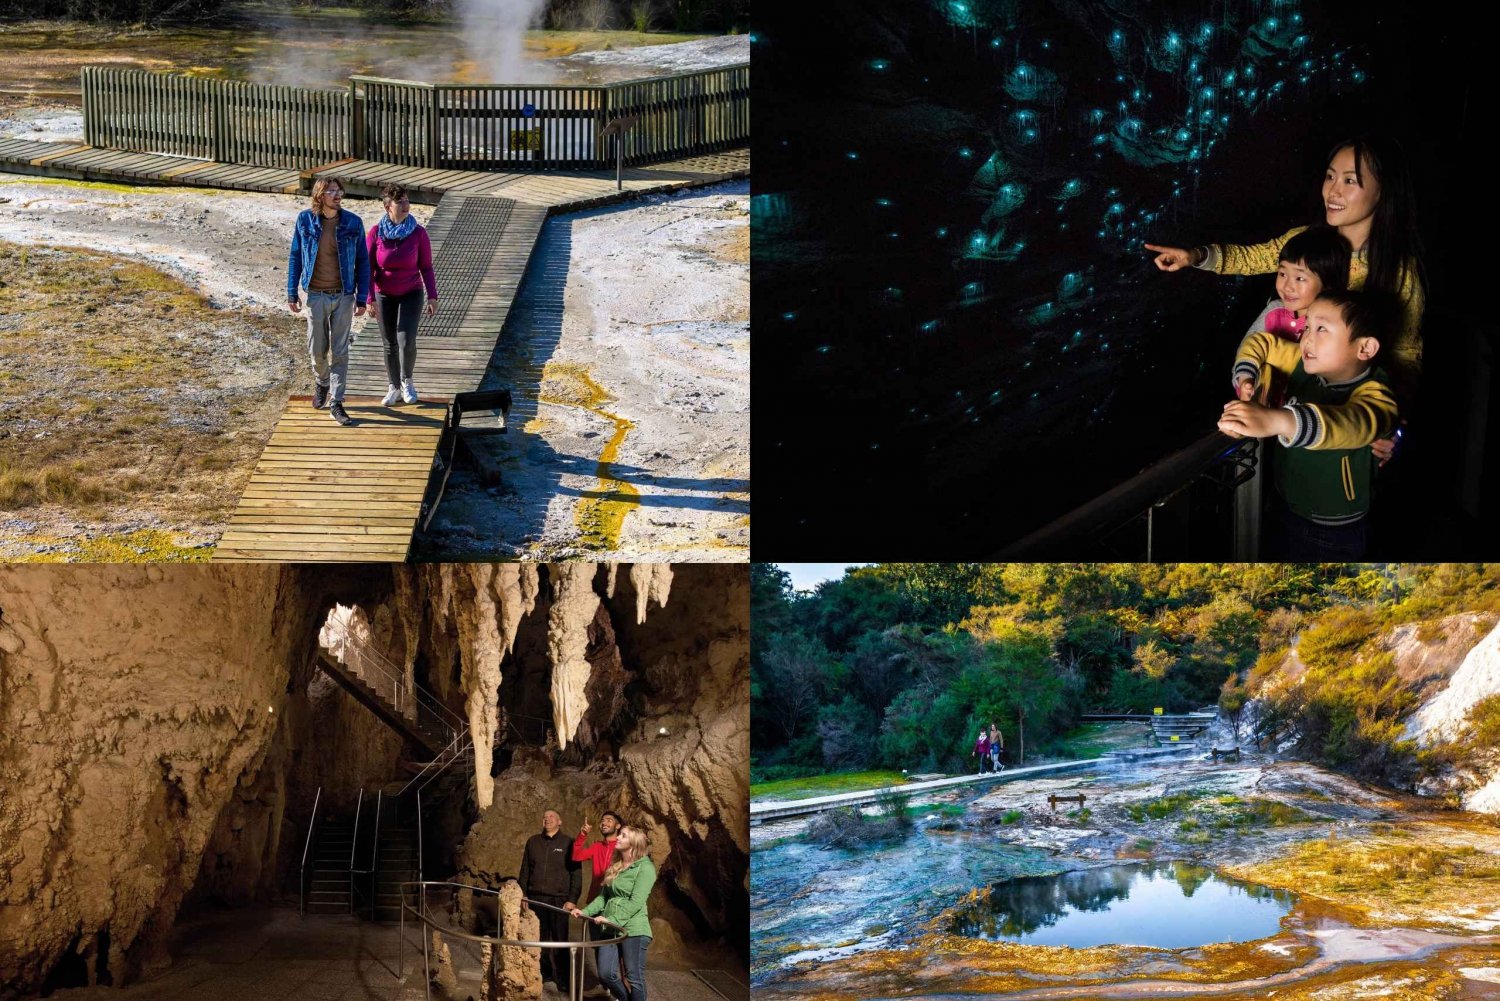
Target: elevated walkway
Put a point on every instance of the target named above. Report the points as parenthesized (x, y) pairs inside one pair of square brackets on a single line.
[(556, 191), (325, 493), (781, 810)]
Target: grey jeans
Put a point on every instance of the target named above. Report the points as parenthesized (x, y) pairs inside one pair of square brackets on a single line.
[(329, 316)]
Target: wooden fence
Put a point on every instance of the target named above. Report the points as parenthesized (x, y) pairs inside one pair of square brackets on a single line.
[(487, 127), (228, 121)]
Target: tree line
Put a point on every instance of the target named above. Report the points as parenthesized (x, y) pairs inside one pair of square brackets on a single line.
[(899, 665), (707, 16)]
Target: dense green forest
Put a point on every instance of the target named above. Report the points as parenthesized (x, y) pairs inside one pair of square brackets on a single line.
[(898, 665), (637, 15)]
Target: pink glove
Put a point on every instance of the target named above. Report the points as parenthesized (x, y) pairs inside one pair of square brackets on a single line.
[(1286, 324)]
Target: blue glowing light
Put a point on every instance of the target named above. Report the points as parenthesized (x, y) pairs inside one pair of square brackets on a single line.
[(884, 203), (965, 152), (1096, 116), (1174, 41), (789, 315), (995, 42), (1208, 93), (1183, 135), (1100, 139), (929, 326), (942, 233), (1358, 76), (880, 65), (852, 155), (1205, 31)]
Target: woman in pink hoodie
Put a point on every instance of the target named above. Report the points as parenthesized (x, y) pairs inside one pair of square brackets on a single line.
[(400, 265)]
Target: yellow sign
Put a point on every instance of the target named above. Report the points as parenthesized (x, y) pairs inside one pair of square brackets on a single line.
[(1157, 710), (1175, 738), (526, 139)]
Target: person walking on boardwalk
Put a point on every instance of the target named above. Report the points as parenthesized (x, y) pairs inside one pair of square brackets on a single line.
[(328, 270), (997, 749), (627, 885), (400, 265), (550, 876), (982, 749)]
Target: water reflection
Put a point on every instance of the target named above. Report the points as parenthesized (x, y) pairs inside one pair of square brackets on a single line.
[(1171, 906)]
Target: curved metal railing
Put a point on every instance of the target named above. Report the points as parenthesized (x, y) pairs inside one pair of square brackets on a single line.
[(575, 949)]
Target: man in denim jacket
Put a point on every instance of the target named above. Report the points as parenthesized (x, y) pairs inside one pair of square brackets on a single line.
[(329, 265)]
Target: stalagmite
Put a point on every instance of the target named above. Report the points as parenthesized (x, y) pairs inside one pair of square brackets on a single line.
[(651, 580), (574, 604), (515, 972)]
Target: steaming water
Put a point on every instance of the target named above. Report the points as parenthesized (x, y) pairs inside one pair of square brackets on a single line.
[(809, 903), (1174, 906)]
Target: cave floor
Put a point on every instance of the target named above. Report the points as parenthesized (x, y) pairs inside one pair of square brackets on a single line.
[(260, 953)]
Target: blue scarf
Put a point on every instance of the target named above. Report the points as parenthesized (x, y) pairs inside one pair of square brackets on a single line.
[(393, 232)]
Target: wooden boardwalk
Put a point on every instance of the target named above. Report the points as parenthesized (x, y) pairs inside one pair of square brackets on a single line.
[(559, 191), (325, 493), (480, 248)]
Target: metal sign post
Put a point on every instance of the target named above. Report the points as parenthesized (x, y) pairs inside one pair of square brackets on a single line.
[(616, 130)]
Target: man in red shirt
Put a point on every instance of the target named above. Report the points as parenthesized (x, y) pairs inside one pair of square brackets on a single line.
[(601, 853)]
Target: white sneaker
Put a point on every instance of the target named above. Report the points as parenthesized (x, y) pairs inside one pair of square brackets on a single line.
[(409, 391), (392, 397)]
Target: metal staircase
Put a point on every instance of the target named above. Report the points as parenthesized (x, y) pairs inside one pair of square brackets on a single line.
[(328, 882)]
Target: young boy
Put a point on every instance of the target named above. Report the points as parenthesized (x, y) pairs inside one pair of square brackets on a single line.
[(1337, 404)]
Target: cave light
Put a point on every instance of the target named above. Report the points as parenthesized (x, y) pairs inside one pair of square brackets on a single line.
[(880, 65)]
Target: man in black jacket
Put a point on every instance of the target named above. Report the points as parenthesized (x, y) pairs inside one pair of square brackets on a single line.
[(550, 876)]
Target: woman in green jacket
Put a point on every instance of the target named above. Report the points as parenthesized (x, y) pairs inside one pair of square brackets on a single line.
[(627, 884)]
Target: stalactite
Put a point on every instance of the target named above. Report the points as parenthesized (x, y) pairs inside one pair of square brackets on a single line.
[(651, 580), (574, 603)]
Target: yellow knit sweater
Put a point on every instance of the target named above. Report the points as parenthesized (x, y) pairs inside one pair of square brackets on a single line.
[(1404, 357), (1367, 414)]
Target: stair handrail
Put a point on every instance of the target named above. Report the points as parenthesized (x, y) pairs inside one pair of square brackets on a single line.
[(419, 837), (354, 843), (404, 691), (444, 759), (302, 879), (375, 852)]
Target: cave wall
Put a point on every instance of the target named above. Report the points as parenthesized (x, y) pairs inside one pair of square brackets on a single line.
[(133, 701)]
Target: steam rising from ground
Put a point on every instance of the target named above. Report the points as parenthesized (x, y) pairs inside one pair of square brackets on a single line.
[(496, 30)]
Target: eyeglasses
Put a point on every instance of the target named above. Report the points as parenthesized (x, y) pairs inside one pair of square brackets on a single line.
[(335, 193)]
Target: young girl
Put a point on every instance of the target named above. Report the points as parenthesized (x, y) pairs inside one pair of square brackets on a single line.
[(1368, 198), (1313, 261)]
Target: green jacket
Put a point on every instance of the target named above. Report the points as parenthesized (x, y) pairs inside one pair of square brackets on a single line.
[(624, 900)]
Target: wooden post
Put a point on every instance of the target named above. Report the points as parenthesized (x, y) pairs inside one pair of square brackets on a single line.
[(432, 127)]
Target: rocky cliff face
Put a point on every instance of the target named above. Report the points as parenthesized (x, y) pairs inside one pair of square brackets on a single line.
[(163, 732), (1444, 717)]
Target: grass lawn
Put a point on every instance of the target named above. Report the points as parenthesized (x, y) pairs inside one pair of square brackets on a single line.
[(825, 785)]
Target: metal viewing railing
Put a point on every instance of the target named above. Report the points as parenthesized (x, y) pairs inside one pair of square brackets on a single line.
[(421, 913), (1227, 463)]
